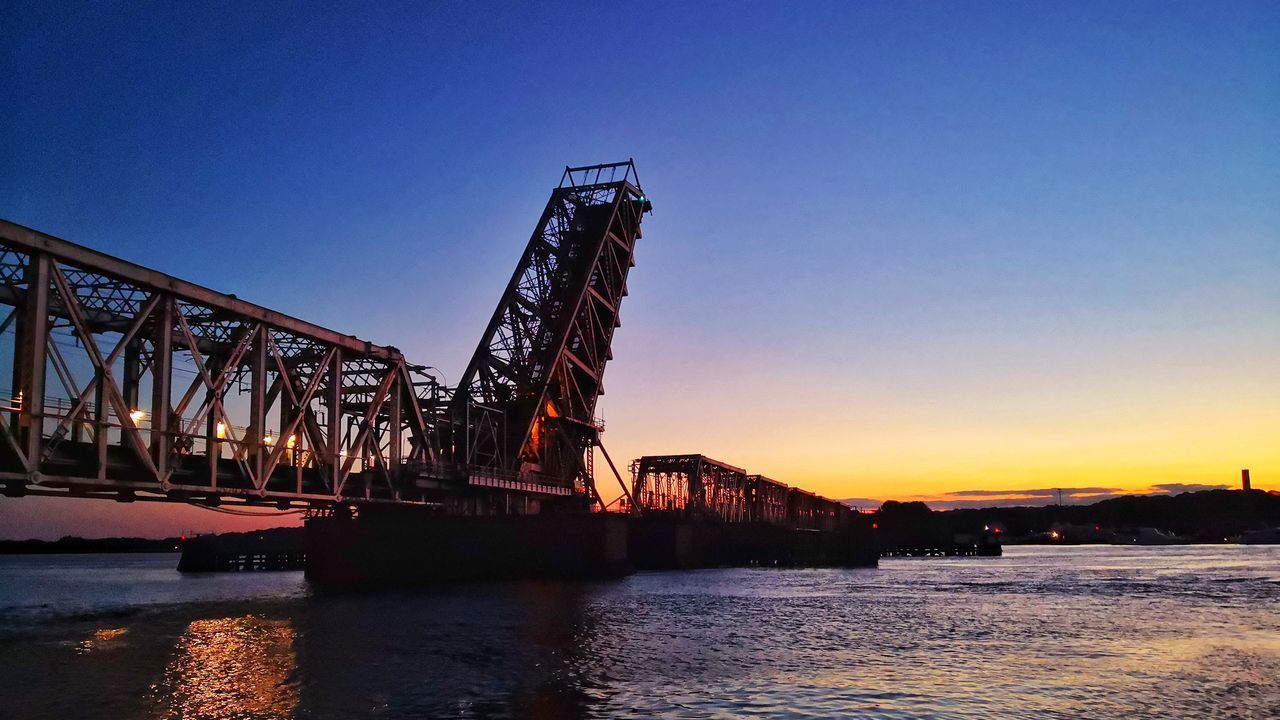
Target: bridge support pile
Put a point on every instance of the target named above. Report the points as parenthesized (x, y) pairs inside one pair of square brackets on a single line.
[(389, 546)]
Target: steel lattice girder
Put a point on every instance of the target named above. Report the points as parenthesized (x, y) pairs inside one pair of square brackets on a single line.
[(347, 415), (696, 485), (693, 484), (766, 499), (541, 360)]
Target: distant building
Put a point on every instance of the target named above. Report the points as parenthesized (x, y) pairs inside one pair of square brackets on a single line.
[(1244, 480)]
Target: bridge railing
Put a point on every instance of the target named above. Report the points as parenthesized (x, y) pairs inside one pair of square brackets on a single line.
[(602, 174)]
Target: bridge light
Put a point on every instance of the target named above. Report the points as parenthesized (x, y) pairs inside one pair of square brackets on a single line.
[(136, 416), (293, 440), (220, 431), (269, 440)]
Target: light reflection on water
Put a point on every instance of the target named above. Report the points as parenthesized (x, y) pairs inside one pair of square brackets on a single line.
[(102, 639), (1043, 632), (235, 667)]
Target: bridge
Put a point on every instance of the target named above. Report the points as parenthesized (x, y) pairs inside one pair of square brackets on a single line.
[(698, 486), (132, 385)]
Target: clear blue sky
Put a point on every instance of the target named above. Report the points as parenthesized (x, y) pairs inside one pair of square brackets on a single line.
[(877, 224)]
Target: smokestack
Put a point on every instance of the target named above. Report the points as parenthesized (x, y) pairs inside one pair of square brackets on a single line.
[(1244, 480)]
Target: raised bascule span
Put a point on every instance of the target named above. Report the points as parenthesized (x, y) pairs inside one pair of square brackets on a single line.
[(129, 384)]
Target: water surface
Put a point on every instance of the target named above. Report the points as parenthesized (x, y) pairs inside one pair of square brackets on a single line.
[(1081, 632)]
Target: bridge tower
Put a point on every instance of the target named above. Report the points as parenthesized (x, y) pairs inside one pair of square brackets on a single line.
[(526, 404)]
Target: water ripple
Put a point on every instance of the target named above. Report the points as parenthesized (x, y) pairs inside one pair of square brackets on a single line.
[(1042, 632)]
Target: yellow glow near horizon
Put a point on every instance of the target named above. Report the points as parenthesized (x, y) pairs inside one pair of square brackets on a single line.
[(868, 444)]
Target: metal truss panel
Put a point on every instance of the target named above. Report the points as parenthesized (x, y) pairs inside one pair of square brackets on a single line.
[(132, 384), (244, 404), (698, 486), (541, 360)]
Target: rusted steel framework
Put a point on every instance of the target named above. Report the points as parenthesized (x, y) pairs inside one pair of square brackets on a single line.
[(697, 486), (766, 500), (691, 485), (813, 512), (540, 364), (129, 384)]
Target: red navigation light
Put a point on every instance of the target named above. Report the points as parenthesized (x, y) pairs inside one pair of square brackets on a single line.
[(875, 526)]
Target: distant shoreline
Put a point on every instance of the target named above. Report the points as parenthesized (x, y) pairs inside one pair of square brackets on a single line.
[(1209, 517), (75, 545)]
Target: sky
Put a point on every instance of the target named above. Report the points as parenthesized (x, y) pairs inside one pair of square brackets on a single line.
[(942, 251)]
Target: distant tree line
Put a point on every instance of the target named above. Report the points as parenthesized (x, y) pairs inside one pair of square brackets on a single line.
[(70, 544), (1208, 515)]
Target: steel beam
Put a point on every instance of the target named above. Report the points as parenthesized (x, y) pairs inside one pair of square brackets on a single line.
[(353, 424), (40, 244), (30, 357), (162, 385)]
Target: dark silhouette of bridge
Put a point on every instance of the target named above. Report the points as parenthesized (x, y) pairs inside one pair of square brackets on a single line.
[(129, 384)]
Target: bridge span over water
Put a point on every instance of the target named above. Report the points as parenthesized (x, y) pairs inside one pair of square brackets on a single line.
[(129, 384)]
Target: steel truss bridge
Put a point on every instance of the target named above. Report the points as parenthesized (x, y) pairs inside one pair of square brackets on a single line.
[(689, 486), (130, 384)]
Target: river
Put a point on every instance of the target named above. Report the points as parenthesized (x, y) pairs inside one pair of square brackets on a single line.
[(1045, 632)]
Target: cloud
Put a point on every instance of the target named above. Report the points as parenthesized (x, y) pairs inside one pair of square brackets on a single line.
[(1038, 492), (1175, 488), (954, 504), (958, 499)]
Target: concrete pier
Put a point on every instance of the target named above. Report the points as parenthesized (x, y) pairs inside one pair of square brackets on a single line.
[(402, 546), (671, 543), (391, 545)]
